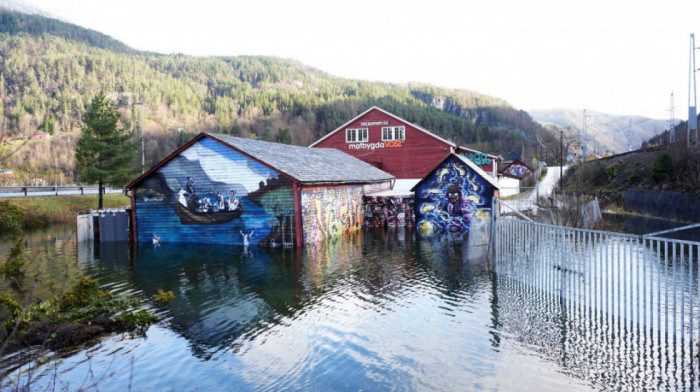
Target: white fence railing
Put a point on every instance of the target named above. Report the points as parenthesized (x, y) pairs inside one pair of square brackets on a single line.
[(630, 288)]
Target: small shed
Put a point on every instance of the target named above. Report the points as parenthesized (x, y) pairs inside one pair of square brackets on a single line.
[(518, 169), (228, 190), (454, 196)]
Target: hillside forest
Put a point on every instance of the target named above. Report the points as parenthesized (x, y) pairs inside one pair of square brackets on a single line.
[(49, 71)]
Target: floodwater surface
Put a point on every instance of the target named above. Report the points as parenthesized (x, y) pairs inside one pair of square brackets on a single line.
[(376, 311)]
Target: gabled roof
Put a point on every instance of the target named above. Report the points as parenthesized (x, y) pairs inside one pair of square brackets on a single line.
[(418, 127), (303, 164), (518, 161), (467, 162)]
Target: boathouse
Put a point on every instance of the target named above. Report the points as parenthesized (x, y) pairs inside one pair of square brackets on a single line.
[(396, 146), (455, 196), (221, 189)]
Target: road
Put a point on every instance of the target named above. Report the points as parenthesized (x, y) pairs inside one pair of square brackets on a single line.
[(544, 189)]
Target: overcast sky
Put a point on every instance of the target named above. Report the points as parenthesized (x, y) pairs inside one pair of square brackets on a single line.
[(615, 56)]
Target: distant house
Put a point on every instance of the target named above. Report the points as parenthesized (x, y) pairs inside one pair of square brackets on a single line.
[(40, 136), (517, 169), (221, 189), (454, 195), (405, 150)]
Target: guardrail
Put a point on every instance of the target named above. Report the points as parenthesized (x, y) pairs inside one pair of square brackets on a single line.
[(26, 191)]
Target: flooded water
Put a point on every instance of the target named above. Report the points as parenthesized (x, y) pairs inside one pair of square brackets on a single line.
[(378, 311)]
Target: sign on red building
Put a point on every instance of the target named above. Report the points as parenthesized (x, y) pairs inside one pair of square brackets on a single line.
[(397, 146), (390, 143)]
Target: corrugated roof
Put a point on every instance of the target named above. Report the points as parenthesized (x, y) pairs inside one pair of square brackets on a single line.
[(308, 165)]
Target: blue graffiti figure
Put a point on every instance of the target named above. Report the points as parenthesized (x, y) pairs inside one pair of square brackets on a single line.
[(459, 209)]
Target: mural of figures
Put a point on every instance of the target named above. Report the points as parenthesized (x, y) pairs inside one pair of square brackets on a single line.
[(331, 212), (389, 212), (210, 193), (452, 197)]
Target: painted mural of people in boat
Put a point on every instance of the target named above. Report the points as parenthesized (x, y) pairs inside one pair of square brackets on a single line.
[(210, 193)]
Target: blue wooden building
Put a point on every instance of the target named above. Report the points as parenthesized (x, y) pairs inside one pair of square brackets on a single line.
[(221, 189), (453, 197)]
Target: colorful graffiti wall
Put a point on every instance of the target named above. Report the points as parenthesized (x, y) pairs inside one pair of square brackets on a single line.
[(452, 198), (212, 194), (518, 169), (329, 212), (389, 211)]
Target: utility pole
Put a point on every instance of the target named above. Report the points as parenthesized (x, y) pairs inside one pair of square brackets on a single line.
[(561, 157), (671, 127), (692, 98)]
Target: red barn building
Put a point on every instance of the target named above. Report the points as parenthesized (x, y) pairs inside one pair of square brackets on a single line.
[(398, 147)]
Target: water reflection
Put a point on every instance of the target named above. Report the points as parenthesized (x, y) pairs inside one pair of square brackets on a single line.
[(380, 310)]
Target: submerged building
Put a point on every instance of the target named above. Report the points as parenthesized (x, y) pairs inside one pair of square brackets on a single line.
[(228, 190), (455, 196)]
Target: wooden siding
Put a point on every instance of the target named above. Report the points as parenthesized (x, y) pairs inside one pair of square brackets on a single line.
[(329, 212), (210, 170), (452, 198), (410, 158)]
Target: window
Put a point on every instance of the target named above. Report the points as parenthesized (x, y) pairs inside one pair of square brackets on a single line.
[(393, 133), (354, 135)]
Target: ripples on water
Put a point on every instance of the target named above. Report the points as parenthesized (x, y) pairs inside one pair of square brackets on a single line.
[(378, 311)]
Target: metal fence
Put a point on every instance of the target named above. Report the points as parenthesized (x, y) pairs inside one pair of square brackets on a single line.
[(644, 286), (26, 191)]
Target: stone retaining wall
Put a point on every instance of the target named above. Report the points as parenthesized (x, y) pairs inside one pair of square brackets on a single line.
[(665, 204)]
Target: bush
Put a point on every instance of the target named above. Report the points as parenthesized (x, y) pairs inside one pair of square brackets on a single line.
[(11, 218), (662, 168)]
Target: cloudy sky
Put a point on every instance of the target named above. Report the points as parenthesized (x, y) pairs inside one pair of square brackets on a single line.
[(615, 56)]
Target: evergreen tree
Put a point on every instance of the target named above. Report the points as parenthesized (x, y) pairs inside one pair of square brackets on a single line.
[(105, 151)]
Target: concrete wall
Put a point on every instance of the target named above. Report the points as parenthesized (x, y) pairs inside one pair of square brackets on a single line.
[(665, 204)]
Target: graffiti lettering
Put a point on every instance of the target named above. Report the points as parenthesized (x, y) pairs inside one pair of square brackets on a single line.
[(480, 158)]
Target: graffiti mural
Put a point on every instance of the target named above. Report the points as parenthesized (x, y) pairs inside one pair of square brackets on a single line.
[(330, 212), (452, 198), (210, 193), (518, 169)]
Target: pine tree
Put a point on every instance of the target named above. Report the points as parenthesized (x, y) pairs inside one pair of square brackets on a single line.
[(105, 151)]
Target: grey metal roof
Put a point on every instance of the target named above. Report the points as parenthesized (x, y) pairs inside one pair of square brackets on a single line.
[(308, 165)]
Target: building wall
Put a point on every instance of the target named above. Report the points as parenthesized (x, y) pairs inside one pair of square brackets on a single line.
[(471, 198), (509, 186), (410, 158), (329, 212), (265, 195)]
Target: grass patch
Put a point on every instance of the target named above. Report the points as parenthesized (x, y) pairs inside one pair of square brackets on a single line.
[(43, 210)]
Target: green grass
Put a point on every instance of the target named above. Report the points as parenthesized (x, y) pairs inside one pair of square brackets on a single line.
[(42, 210)]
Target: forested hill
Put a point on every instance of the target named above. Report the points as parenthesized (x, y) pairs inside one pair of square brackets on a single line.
[(48, 79), (14, 22)]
